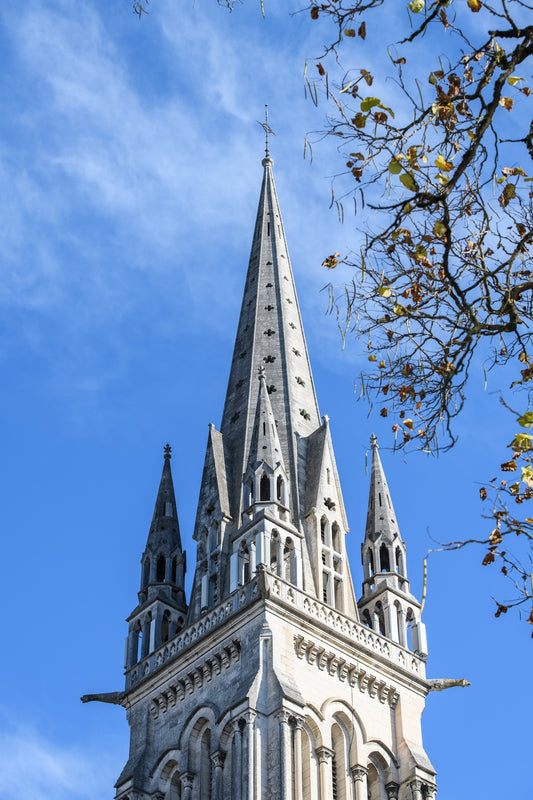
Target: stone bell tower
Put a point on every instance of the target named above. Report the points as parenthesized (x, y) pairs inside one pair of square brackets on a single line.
[(274, 682)]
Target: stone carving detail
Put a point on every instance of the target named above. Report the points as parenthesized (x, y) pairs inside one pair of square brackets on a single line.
[(344, 671), (187, 684)]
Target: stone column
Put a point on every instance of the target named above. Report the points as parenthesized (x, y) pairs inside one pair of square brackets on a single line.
[(392, 790), (249, 769), (251, 549), (359, 774), (391, 621), (431, 791), (375, 621), (132, 653), (325, 755), (298, 777), (217, 760), (416, 789), (279, 557), (187, 782), (285, 755)]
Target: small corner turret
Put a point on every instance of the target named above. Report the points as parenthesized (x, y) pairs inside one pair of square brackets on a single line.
[(162, 608), (387, 604)]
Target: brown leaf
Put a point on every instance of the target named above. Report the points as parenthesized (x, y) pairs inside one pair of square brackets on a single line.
[(320, 68), (483, 493), (314, 12), (489, 558), (361, 32), (506, 102)]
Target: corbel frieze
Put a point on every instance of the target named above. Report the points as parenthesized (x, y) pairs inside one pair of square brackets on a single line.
[(345, 671), (192, 681)]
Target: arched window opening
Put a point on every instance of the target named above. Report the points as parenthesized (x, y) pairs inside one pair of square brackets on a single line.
[(380, 618), (338, 762), (245, 563), (328, 475), (264, 487), (175, 787), (324, 537), (410, 620), (325, 587), (174, 571), (280, 493), (334, 787), (213, 590), (274, 552), (400, 567), (374, 784), (249, 492), (146, 572), (384, 558), (289, 561), (165, 627), (371, 561), (365, 618), (160, 571), (336, 537), (379, 496), (205, 766)]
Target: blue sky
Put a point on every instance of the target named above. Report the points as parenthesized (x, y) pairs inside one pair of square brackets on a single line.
[(129, 180)]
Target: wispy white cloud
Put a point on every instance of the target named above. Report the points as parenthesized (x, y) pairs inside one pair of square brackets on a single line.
[(35, 768)]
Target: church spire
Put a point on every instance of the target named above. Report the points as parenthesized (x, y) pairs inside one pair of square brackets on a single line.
[(269, 334), (165, 518), (265, 446), (387, 604)]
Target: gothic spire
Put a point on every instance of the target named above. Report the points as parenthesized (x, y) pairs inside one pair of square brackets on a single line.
[(265, 446), (381, 519), (165, 518), (269, 334)]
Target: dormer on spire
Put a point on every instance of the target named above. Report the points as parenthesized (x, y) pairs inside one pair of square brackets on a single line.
[(387, 604), (162, 607)]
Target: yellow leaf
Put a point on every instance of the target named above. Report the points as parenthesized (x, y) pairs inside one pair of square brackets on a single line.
[(372, 358), (439, 228), (512, 80), (441, 163), (474, 5), (408, 424), (399, 310), (416, 6), (349, 32), (384, 291), (527, 476)]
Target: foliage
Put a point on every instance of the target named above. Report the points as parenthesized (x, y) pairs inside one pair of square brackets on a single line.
[(444, 279)]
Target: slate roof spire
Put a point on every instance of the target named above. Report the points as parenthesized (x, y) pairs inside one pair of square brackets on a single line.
[(269, 334), (165, 518), (381, 518), (265, 446)]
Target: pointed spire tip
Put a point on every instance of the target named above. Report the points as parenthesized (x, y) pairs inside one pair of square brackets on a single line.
[(168, 451), (374, 441)]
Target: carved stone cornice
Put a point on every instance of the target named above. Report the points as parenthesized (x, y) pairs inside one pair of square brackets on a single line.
[(345, 671), (196, 677)]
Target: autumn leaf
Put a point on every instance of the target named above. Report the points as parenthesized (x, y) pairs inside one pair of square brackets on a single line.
[(474, 5), (495, 537), (508, 466), (527, 476), (314, 12), (384, 291), (512, 80), (349, 32), (439, 228), (408, 424), (372, 358), (483, 493), (369, 102), (320, 68), (416, 6), (489, 558), (395, 167), (506, 102), (369, 80), (441, 163), (331, 261), (361, 31)]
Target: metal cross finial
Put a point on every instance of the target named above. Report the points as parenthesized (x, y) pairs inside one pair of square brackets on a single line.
[(168, 451), (267, 129), (374, 440), (262, 372)]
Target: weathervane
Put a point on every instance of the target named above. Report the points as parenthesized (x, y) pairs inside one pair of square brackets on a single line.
[(267, 129)]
